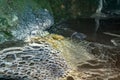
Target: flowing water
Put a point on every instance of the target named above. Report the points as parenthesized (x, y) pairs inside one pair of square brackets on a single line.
[(36, 54), (98, 15)]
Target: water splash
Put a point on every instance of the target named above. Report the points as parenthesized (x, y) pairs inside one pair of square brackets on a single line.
[(78, 35), (40, 60), (100, 7), (98, 15), (97, 21), (98, 12)]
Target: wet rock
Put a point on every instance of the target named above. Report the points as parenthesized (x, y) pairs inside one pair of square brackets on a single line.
[(26, 57), (31, 64), (33, 23), (34, 63), (22, 62), (9, 57), (79, 36), (2, 65)]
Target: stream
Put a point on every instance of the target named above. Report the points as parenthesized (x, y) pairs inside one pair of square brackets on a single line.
[(34, 47)]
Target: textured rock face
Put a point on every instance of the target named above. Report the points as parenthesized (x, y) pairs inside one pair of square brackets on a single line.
[(32, 23), (32, 62)]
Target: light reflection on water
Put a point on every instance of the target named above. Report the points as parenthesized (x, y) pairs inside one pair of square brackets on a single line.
[(87, 60)]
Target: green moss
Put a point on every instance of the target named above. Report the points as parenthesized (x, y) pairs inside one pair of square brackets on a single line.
[(61, 10)]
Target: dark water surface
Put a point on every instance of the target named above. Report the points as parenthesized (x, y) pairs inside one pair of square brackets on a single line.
[(87, 26)]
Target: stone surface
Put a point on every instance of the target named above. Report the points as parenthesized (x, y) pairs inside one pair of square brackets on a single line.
[(32, 62), (87, 60), (32, 23)]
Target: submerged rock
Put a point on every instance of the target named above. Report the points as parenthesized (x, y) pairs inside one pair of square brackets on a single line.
[(78, 35)]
